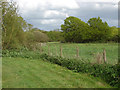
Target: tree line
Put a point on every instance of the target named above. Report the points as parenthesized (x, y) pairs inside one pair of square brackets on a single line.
[(95, 30), (17, 33)]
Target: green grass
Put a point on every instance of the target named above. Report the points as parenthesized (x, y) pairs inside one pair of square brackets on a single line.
[(25, 73), (86, 50)]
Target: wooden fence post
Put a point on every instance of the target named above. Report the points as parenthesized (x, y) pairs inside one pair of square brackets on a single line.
[(60, 51), (77, 51), (48, 50), (104, 55), (99, 58)]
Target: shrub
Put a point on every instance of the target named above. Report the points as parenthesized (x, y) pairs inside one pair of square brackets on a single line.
[(109, 73)]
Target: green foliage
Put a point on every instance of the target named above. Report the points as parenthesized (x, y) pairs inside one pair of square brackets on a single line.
[(115, 35), (102, 29), (40, 37), (23, 53), (16, 32), (13, 26), (35, 73), (87, 51), (109, 73), (96, 30), (34, 38), (75, 30), (55, 36)]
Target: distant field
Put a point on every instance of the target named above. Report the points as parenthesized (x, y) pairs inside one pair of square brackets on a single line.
[(87, 51), (25, 73)]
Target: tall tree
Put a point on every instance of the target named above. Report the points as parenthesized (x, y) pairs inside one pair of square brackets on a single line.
[(102, 29), (13, 26), (75, 30)]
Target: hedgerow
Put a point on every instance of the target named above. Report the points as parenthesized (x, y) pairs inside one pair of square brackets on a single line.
[(107, 72)]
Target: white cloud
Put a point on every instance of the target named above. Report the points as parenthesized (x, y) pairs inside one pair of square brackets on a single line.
[(67, 15), (64, 3), (50, 14), (33, 4), (97, 6), (48, 21), (51, 21), (105, 6), (27, 6), (64, 9)]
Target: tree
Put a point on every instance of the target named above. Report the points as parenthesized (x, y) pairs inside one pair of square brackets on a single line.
[(40, 37), (34, 38), (13, 26), (55, 35), (114, 34), (102, 29), (75, 30), (30, 26)]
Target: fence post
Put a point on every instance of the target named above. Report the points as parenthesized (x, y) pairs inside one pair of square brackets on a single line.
[(99, 58), (77, 51), (60, 51), (104, 55), (48, 50)]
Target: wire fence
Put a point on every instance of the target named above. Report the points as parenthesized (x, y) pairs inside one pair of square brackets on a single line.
[(92, 55)]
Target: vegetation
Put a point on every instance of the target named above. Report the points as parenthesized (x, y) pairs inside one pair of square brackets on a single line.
[(109, 73), (39, 74), (17, 33), (55, 36), (102, 30), (87, 51), (95, 30), (75, 30), (13, 26), (23, 42)]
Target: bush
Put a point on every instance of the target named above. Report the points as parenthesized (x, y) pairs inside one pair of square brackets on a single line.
[(109, 73)]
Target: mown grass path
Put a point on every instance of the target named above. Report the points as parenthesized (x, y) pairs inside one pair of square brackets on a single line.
[(25, 73)]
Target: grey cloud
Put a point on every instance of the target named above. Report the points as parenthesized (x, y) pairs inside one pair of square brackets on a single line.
[(38, 23), (107, 12), (87, 11)]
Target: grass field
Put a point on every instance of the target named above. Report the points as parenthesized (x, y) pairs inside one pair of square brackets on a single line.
[(25, 73), (87, 51)]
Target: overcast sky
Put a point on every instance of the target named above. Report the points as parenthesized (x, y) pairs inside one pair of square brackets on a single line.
[(50, 14)]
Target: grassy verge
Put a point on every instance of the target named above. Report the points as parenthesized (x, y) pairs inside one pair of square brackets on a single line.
[(34, 73)]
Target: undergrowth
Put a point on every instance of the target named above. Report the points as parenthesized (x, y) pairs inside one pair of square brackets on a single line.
[(107, 72)]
